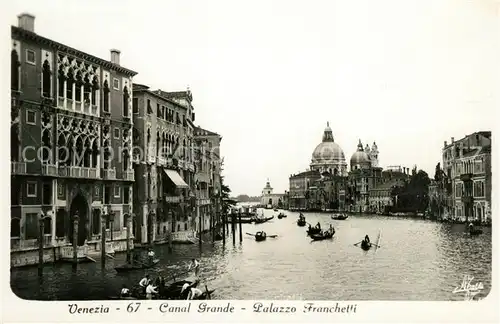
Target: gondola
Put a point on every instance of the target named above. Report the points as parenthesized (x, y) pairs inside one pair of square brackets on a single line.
[(365, 245), (261, 236), (262, 220), (340, 217), (281, 215), (323, 236), (276, 209), (136, 266), (301, 222), (313, 230)]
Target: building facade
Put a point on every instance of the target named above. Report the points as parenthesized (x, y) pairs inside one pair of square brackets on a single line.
[(71, 132), (300, 183), (365, 174), (270, 199), (467, 169), (208, 167), (163, 164)]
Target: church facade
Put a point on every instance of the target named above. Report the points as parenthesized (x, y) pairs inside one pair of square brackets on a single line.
[(271, 200)]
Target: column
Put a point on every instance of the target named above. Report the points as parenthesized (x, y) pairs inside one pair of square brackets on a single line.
[(65, 85), (73, 93), (53, 226)]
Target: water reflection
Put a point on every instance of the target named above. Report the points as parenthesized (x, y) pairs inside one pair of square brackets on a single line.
[(417, 260)]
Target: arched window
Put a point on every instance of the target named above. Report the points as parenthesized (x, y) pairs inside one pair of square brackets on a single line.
[(87, 153), (157, 143), (87, 89), (125, 160), (60, 82), (125, 101), (79, 157), (62, 151), (14, 70), (95, 153), (70, 145), (46, 80), (69, 85), (46, 147), (95, 90), (105, 105)]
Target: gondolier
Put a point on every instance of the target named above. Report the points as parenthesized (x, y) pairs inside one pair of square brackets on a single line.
[(194, 293), (150, 290), (195, 265)]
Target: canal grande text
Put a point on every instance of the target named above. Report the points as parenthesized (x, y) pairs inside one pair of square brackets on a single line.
[(176, 307)]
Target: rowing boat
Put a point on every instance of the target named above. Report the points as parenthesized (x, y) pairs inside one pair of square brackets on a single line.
[(322, 236), (365, 245), (301, 222), (262, 220), (340, 217), (313, 230)]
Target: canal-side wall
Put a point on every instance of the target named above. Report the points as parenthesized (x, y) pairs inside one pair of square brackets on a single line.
[(29, 256)]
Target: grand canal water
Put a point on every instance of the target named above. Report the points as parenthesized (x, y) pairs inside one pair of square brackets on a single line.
[(417, 260)]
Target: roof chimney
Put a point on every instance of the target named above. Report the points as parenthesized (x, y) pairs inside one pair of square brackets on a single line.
[(445, 143), (453, 140), (26, 21), (115, 56)]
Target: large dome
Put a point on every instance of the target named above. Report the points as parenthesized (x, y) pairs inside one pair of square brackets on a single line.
[(328, 152), (360, 157)]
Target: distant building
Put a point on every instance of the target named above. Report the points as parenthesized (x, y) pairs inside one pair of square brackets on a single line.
[(328, 156), (381, 198), (271, 199), (299, 189), (365, 175), (467, 167)]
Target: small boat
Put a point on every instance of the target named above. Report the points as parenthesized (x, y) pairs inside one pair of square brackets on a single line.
[(301, 222), (323, 236), (340, 216), (262, 220), (313, 230), (136, 266), (276, 209), (281, 215), (261, 236), (365, 245)]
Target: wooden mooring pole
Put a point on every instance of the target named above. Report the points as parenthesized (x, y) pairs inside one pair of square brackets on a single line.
[(239, 225), (223, 230), (233, 228), (75, 241), (40, 245), (103, 240), (129, 228)]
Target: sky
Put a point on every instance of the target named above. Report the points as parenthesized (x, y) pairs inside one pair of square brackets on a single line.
[(269, 75)]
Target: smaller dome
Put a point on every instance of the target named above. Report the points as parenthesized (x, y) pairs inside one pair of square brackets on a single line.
[(360, 156)]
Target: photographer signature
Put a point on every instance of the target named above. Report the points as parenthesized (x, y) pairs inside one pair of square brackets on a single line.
[(468, 288)]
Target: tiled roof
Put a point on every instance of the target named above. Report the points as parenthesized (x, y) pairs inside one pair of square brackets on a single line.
[(198, 131)]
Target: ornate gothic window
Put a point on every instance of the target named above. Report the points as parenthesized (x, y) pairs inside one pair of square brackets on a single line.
[(95, 91), (62, 151), (87, 153), (46, 80), (95, 153), (14, 70), (69, 85), (125, 160), (78, 87), (46, 147), (125, 101), (87, 89), (60, 83), (106, 97)]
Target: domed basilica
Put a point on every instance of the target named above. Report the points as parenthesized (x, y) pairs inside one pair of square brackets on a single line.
[(328, 156)]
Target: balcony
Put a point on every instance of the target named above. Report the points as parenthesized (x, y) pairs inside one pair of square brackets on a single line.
[(18, 167), (67, 252), (78, 172), (172, 199), (49, 170), (170, 162), (18, 244), (151, 158), (109, 174), (129, 175), (466, 177)]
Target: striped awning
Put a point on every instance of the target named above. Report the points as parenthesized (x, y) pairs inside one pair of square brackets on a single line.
[(176, 178)]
